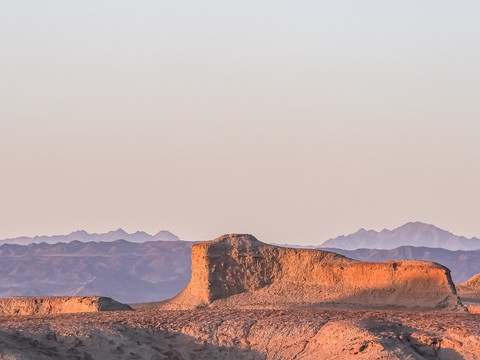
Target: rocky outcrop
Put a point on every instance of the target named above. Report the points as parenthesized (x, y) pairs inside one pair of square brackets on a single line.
[(473, 284), (58, 305), (469, 292), (241, 272), (462, 264)]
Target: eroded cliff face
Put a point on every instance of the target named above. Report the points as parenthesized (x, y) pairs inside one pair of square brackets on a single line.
[(58, 305), (240, 271)]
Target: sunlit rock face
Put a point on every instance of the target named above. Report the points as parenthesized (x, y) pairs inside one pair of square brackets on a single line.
[(58, 305), (240, 271), (473, 284), (470, 294)]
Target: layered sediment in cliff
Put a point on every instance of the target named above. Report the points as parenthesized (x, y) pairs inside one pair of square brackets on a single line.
[(58, 305), (241, 272)]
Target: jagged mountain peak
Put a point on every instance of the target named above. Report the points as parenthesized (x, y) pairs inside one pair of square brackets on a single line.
[(412, 233), (118, 232), (84, 236), (165, 235)]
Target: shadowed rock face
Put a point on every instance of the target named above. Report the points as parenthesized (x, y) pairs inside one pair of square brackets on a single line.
[(58, 305), (240, 271)]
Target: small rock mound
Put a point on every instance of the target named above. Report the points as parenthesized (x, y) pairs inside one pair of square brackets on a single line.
[(58, 305), (241, 272), (473, 284), (469, 292)]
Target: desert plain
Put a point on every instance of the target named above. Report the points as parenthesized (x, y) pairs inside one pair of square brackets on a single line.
[(250, 300)]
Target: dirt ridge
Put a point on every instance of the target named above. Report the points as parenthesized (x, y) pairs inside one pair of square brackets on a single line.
[(25, 305)]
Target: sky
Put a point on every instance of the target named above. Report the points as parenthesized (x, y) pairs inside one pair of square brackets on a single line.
[(294, 121)]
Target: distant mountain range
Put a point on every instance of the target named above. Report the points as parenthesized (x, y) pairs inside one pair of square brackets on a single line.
[(140, 267), (411, 234), (142, 270), (152, 271), (83, 236), (126, 271)]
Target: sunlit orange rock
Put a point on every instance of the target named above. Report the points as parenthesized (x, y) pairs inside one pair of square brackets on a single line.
[(469, 291), (241, 272), (58, 305)]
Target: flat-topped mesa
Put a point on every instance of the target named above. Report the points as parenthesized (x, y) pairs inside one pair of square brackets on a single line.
[(241, 272), (25, 305)]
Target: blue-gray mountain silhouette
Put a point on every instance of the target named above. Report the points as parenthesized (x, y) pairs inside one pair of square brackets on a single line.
[(411, 234)]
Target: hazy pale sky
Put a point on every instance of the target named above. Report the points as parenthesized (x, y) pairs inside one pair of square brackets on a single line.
[(295, 121)]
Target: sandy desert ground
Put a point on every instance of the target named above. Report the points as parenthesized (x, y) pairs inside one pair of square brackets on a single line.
[(252, 334)]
